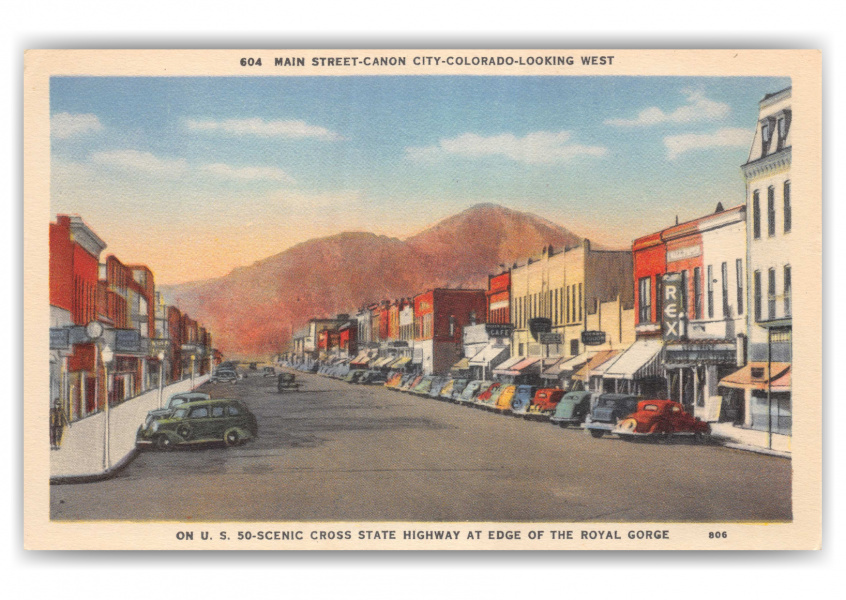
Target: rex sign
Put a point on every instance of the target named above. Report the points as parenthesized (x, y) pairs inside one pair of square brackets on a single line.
[(673, 316)]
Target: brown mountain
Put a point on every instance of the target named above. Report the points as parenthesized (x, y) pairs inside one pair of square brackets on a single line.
[(251, 311)]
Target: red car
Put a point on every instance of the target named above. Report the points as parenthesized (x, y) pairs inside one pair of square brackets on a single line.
[(661, 419), (545, 401)]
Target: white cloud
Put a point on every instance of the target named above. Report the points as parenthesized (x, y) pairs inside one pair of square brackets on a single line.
[(261, 128), (247, 173), (725, 137), (539, 147), (144, 162), (698, 108), (65, 125)]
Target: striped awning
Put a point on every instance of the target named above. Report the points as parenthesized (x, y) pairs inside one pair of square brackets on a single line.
[(598, 359), (642, 360), (505, 368), (754, 376)]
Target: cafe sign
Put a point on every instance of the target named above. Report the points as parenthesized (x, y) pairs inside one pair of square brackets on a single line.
[(499, 330), (672, 313)]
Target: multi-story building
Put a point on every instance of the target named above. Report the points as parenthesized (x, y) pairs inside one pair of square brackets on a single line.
[(498, 296), (765, 381), (440, 316)]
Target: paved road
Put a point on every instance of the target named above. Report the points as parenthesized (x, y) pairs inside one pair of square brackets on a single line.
[(334, 451)]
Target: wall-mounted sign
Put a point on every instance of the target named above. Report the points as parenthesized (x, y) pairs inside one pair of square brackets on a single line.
[(539, 325), (499, 330), (672, 316), (127, 340), (549, 338), (684, 253), (593, 338), (159, 345), (59, 338)]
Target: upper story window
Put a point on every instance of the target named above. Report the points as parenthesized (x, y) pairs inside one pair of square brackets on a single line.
[(781, 127), (787, 214), (771, 218), (756, 214), (645, 300), (765, 137)]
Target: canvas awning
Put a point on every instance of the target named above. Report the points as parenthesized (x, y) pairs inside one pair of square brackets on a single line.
[(381, 362), (520, 367), (640, 361), (505, 368), (754, 376), (567, 365), (488, 354), (361, 359), (401, 362), (461, 365), (595, 362)]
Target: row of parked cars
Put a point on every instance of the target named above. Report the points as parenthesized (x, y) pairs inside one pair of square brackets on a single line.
[(625, 415)]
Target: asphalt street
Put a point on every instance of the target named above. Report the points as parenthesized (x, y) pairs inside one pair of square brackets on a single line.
[(332, 451)]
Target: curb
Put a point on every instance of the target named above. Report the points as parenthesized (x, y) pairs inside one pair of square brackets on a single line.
[(755, 449), (94, 477)]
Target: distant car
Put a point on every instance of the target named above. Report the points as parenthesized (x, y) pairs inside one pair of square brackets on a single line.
[(411, 383), (662, 419), (174, 401), (394, 380), (224, 376), (268, 372), (458, 386), (488, 397), (572, 409), (468, 394), (286, 382), (523, 396), (607, 410), (219, 420), (423, 386), (372, 378), (354, 375), (253, 366), (438, 384), (505, 398), (545, 401)]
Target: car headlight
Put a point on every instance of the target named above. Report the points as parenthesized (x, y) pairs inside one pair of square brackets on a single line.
[(155, 426), (629, 425)]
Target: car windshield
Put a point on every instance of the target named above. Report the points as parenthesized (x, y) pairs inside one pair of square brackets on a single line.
[(180, 413)]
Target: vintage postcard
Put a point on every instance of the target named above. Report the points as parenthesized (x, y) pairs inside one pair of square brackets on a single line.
[(437, 300)]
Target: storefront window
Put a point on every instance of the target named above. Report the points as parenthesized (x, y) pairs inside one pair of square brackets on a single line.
[(779, 415)]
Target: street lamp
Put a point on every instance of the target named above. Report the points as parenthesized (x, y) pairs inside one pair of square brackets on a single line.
[(107, 355), (161, 377), (193, 364)]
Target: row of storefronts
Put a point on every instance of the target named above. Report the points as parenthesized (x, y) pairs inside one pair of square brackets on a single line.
[(111, 336), (698, 312)]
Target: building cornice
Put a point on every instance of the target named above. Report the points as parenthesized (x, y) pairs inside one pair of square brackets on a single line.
[(768, 164)]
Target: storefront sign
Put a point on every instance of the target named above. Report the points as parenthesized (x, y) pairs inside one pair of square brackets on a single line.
[(673, 311), (59, 338), (159, 345), (593, 338), (539, 325), (683, 253), (499, 330), (127, 340), (704, 354), (549, 338)]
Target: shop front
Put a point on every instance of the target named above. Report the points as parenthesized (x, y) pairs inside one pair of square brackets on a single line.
[(695, 369), (561, 371), (638, 370), (765, 392), (582, 378)]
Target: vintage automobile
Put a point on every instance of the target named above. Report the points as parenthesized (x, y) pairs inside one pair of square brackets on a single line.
[(506, 396), (572, 409), (607, 410), (394, 380), (522, 399), (286, 382), (544, 402), (438, 384), (224, 376), (468, 394), (458, 386), (372, 378), (488, 397), (354, 375), (174, 401), (268, 372), (662, 419), (219, 420), (411, 383), (423, 386)]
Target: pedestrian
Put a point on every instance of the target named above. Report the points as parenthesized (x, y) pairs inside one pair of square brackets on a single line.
[(58, 420)]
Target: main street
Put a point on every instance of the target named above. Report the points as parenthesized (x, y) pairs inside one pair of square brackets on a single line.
[(341, 452)]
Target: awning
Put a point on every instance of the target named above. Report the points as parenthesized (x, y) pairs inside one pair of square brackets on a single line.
[(461, 365), (401, 362), (488, 355), (517, 368), (361, 359), (598, 359), (381, 362), (505, 368), (754, 376), (565, 366), (392, 360), (640, 361)]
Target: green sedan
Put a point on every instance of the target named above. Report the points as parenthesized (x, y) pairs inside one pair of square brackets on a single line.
[(218, 420)]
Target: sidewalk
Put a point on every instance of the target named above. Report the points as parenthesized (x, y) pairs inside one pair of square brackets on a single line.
[(82, 456), (751, 440)]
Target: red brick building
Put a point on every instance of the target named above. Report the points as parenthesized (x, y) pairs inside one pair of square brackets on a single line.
[(499, 298), (440, 316)]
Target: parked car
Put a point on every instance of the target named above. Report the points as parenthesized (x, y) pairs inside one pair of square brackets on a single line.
[(354, 375), (253, 366), (224, 376), (372, 378), (438, 384), (174, 401), (522, 399), (411, 383), (469, 392), (545, 401), (505, 398), (286, 382), (219, 420), (458, 386), (662, 419), (607, 410), (423, 386), (572, 409), (486, 397), (268, 372), (394, 380)]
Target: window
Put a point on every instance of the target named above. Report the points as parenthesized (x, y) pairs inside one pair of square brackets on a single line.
[(574, 347), (233, 410), (199, 413), (217, 411), (771, 297), (725, 273), (645, 300), (787, 214), (787, 290), (771, 211), (659, 294), (697, 293), (581, 302), (710, 284), (781, 127), (756, 215), (739, 269), (520, 348), (684, 303), (574, 303), (765, 137)]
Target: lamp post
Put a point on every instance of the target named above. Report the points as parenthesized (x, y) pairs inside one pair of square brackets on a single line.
[(107, 355), (161, 377), (193, 364), (211, 360)]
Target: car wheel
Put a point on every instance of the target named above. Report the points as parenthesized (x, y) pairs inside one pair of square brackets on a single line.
[(231, 438), (700, 437), (666, 436), (597, 433), (184, 431), (163, 442)]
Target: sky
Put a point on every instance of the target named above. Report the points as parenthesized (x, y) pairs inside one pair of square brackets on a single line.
[(196, 176)]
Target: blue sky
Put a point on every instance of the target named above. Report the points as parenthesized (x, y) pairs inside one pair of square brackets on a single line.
[(231, 170)]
